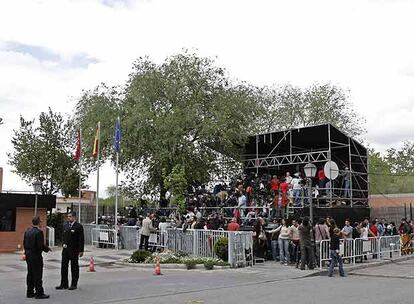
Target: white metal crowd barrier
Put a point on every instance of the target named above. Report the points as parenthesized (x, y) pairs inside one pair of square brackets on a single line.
[(359, 249), (103, 237), (200, 242), (156, 240), (50, 236)]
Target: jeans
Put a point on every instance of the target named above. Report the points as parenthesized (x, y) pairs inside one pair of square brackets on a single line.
[(143, 242), (297, 197), (307, 256), (284, 250), (295, 250), (275, 250), (347, 191), (336, 259)]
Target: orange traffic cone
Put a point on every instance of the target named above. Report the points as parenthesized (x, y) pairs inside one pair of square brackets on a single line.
[(91, 265), (158, 267), (23, 257)]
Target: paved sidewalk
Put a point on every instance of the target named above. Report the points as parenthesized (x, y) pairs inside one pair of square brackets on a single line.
[(10, 262)]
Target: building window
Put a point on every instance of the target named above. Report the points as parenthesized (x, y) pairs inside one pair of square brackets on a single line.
[(7, 219)]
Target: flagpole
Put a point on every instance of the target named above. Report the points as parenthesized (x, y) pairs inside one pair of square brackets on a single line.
[(117, 139), (116, 201), (80, 173), (97, 176)]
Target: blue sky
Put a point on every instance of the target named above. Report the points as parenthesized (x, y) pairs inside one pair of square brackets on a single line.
[(80, 60)]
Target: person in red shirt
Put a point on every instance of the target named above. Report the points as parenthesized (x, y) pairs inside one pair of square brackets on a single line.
[(322, 180), (275, 184), (373, 230), (233, 226), (284, 188)]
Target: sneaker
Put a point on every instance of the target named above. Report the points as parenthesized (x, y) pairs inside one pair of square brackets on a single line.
[(30, 295), (286, 264)]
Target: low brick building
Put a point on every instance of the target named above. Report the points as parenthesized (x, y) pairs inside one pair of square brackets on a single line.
[(16, 213), (392, 207)]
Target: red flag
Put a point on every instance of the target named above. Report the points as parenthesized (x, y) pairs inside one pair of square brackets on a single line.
[(95, 144), (78, 147)]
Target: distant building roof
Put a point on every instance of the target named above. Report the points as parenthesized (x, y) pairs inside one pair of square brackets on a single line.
[(88, 197), (391, 200)]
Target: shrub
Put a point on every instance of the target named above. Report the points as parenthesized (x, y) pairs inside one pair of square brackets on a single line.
[(209, 265), (56, 220), (181, 254), (140, 256), (221, 263), (190, 263), (221, 248), (166, 257)]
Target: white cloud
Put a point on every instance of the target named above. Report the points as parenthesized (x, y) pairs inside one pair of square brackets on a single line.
[(360, 45)]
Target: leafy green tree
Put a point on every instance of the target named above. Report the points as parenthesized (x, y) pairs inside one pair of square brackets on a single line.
[(392, 172), (180, 112), (44, 152), (287, 106), (380, 177), (401, 161), (176, 183)]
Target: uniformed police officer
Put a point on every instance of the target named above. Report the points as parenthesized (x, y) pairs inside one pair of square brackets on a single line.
[(73, 242), (34, 245)]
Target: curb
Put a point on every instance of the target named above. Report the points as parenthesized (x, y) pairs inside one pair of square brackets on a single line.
[(350, 269), (168, 266)]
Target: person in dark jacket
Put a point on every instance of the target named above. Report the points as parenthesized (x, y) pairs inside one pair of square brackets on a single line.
[(306, 246), (34, 245), (73, 242), (336, 258)]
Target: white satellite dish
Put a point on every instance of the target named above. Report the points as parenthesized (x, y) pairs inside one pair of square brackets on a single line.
[(331, 170)]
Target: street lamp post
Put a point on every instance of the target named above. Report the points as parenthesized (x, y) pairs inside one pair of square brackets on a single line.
[(310, 171), (37, 187)]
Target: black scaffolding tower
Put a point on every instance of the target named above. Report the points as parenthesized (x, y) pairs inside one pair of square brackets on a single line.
[(288, 151)]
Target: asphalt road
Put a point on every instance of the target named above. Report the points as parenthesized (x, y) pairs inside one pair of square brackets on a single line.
[(122, 284)]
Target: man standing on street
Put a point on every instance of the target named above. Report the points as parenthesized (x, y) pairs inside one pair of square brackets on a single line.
[(146, 231), (34, 245), (73, 242)]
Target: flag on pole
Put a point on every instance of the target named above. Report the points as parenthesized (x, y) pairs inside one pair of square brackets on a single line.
[(78, 147), (95, 144), (117, 136)]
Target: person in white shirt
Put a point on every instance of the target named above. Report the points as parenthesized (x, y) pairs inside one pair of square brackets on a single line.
[(364, 231), (242, 203), (297, 189)]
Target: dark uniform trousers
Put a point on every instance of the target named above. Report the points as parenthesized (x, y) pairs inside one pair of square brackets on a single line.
[(73, 240), (34, 273), (72, 257)]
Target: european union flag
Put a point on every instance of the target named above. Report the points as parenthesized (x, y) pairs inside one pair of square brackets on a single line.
[(117, 136)]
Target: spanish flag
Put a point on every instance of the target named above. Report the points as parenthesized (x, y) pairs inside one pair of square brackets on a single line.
[(78, 146), (96, 142)]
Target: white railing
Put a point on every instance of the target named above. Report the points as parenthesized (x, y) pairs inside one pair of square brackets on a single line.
[(157, 240), (359, 249), (389, 245), (50, 236), (103, 237), (199, 242)]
